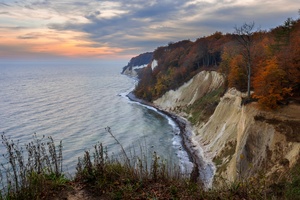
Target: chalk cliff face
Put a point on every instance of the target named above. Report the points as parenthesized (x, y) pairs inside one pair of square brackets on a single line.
[(131, 71), (136, 63), (197, 87), (241, 140)]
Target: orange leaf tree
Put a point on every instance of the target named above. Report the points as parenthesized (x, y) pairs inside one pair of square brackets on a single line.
[(237, 73), (269, 85)]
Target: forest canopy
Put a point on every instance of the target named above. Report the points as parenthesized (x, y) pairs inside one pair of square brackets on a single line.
[(275, 64)]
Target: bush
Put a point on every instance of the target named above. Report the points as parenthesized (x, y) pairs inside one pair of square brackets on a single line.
[(37, 174), (31, 173)]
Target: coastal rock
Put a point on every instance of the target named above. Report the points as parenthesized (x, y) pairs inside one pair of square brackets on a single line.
[(240, 139), (175, 102), (131, 71), (203, 83), (136, 63), (243, 140)]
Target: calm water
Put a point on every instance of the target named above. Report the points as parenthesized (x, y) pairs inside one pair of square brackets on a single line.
[(75, 104)]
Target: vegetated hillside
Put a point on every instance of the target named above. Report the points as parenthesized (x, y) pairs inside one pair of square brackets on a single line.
[(273, 56), (142, 59), (244, 140), (196, 99)]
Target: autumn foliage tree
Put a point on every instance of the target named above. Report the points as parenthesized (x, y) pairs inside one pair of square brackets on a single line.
[(265, 62), (270, 85), (287, 43), (237, 73)]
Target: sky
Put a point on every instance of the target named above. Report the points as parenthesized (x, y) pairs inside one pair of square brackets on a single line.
[(121, 29)]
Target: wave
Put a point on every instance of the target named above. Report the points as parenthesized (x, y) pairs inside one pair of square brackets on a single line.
[(185, 163), (75, 107)]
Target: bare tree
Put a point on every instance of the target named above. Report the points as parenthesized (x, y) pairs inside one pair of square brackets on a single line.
[(244, 35)]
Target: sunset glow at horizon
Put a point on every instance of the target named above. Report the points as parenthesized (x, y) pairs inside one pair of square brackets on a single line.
[(34, 29)]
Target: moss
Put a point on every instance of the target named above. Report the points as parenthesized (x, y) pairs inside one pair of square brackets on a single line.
[(204, 107), (225, 154)]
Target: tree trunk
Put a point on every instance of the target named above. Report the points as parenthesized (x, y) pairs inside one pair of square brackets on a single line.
[(249, 80)]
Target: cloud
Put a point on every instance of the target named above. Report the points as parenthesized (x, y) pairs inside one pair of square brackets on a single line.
[(4, 5), (93, 15), (146, 25), (34, 35), (131, 29), (135, 26), (4, 13), (157, 12), (13, 28), (23, 51)]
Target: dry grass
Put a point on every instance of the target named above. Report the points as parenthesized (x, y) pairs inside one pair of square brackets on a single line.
[(40, 176), (33, 172)]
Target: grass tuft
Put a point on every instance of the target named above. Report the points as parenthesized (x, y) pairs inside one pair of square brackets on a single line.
[(36, 173), (31, 172)]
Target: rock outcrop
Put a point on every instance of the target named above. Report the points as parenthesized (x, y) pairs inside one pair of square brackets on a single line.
[(203, 83), (241, 139), (244, 140), (137, 63)]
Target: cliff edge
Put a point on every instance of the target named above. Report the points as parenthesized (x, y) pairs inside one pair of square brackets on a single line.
[(240, 139), (136, 63)]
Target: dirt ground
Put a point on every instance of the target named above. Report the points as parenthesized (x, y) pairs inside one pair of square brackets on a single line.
[(75, 191)]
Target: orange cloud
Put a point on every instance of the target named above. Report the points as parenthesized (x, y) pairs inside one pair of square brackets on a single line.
[(44, 42)]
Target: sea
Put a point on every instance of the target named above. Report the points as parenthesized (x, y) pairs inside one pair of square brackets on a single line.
[(75, 103)]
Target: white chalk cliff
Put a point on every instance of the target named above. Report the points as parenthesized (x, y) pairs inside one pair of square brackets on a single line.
[(132, 71), (240, 139), (203, 83)]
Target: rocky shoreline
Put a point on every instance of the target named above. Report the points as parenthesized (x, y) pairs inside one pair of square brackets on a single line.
[(187, 143), (203, 171)]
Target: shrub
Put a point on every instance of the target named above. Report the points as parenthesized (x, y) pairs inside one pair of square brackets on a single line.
[(32, 172)]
